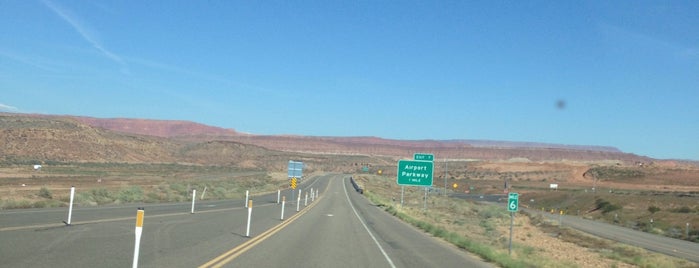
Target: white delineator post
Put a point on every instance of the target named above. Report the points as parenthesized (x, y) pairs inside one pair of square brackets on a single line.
[(249, 205), (305, 201), (194, 198), (203, 193), (70, 206), (279, 193), (247, 197), (298, 201), (283, 204), (139, 232)]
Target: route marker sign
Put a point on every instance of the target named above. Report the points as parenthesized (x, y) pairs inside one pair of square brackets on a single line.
[(423, 157), (415, 173), (513, 202)]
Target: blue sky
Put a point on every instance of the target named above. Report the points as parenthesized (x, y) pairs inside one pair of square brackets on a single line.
[(610, 73)]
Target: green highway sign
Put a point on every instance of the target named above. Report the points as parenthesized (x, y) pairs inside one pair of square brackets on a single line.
[(415, 173), (513, 202), (423, 157)]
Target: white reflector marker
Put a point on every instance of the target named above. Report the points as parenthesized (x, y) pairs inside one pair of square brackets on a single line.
[(247, 232), (247, 197), (298, 201), (70, 206), (139, 232), (283, 203), (194, 198)]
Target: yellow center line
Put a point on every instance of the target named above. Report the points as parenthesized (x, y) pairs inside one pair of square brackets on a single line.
[(227, 257)]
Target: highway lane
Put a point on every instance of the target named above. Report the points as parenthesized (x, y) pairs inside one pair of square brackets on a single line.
[(329, 234), (346, 230), (104, 236)]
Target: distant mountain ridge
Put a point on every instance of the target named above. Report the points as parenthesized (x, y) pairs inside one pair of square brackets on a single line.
[(72, 137), (179, 128), (457, 149)]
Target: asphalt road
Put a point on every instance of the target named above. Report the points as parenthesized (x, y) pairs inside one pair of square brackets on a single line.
[(346, 230), (104, 236), (340, 229)]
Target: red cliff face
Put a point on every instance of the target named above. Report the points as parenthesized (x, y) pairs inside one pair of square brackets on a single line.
[(158, 128), (455, 149), (125, 138)]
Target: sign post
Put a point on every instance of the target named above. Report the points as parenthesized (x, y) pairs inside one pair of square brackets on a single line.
[(512, 206), (292, 183), (415, 173)]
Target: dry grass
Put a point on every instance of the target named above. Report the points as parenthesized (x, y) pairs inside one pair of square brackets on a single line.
[(484, 230), (99, 184)]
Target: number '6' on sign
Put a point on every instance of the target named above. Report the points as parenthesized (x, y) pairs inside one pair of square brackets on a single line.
[(512, 202)]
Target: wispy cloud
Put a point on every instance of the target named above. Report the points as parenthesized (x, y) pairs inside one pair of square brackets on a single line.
[(85, 33), (8, 108)]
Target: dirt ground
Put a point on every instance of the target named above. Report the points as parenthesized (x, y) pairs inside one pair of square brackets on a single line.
[(545, 242), (658, 186), (549, 245)]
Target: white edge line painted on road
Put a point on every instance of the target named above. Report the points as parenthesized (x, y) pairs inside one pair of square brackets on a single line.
[(385, 255)]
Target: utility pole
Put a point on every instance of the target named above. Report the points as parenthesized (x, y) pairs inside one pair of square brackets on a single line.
[(445, 176)]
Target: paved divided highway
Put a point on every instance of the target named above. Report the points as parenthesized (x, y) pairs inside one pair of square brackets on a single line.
[(340, 229)]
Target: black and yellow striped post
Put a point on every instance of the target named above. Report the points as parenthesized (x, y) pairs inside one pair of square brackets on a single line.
[(293, 183)]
